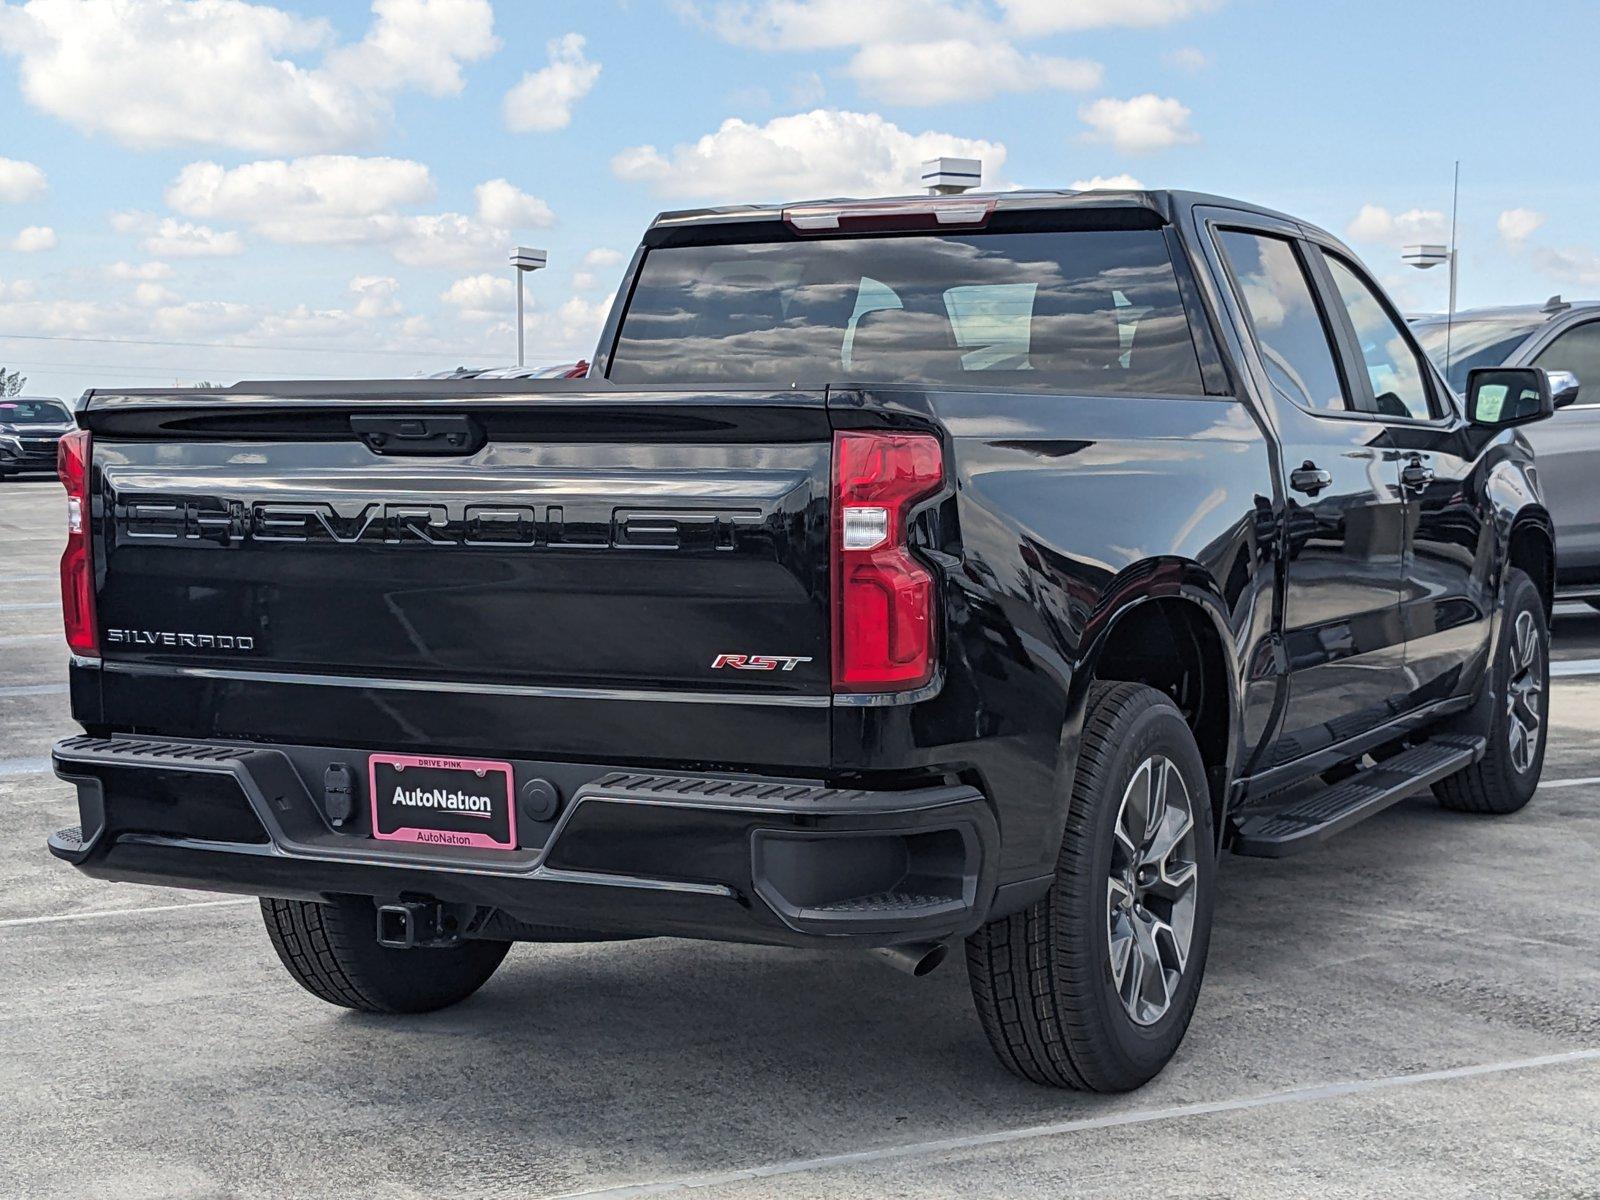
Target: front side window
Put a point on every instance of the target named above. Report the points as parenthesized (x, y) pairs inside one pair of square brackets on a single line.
[(1065, 310), (1394, 368), (1578, 351), (1288, 326)]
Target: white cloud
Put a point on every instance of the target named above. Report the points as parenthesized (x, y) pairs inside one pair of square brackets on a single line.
[(20, 181), (601, 258), (139, 271), (323, 199), (1570, 264), (479, 297), (16, 289), (154, 295), (375, 296), (834, 24), (33, 239), (1036, 17), (1189, 59), (502, 204), (1374, 223), (166, 237), (827, 152), (542, 100), (1138, 125), (905, 51), (1107, 183), (1517, 225), (236, 74), (343, 200), (957, 69)]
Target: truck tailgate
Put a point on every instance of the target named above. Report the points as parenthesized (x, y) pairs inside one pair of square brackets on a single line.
[(567, 576)]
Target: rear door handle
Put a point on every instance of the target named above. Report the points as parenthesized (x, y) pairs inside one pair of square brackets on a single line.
[(1309, 478), (1416, 475)]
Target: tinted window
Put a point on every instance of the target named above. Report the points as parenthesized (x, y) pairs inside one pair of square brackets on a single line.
[(1396, 371), (33, 410), (1095, 311), (1472, 344), (1578, 351), (1288, 326)]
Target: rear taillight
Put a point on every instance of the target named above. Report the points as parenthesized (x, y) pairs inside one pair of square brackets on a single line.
[(77, 563), (882, 596)]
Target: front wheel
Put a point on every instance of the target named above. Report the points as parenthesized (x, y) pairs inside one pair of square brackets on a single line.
[(1505, 778), (1093, 986)]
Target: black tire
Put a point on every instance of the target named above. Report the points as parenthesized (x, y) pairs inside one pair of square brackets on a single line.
[(332, 951), (1042, 979), (1496, 783)]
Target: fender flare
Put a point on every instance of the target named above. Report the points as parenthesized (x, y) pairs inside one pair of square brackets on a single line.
[(1132, 588)]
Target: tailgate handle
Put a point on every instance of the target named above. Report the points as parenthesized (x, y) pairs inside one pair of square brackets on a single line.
[(420, 435)]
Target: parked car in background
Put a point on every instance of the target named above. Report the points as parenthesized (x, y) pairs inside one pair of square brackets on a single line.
[(1559, 336), (566, 370), (30, 427)]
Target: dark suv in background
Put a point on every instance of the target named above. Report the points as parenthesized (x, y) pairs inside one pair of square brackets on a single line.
[(30, 427), (1558, 336)]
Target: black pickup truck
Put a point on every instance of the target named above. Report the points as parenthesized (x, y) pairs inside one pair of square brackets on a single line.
[(904, 572)]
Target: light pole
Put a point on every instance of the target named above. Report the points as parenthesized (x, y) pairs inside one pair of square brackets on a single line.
[(524, 259), (1431, 254)]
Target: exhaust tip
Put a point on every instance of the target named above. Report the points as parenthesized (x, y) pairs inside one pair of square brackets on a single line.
[(914, 958)]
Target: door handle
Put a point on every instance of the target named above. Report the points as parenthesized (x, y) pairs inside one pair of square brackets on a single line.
[(1309, 478), (1416, 475)]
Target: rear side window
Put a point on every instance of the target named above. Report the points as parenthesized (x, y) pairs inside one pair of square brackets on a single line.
[(1082, 310), (1288, 325)]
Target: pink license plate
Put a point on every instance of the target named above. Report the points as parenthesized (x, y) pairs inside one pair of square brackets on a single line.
[(439, 801)]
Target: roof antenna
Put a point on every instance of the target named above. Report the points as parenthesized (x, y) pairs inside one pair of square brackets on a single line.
[(1556, 305), (1450, 316)]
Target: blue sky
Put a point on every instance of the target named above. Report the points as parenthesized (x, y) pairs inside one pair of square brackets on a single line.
[(330, 189)]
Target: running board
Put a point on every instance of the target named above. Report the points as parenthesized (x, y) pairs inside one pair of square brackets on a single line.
[(1336, 808)]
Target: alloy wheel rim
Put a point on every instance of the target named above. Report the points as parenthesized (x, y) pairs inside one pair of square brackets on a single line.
[(1151, 890), (1525, 694)]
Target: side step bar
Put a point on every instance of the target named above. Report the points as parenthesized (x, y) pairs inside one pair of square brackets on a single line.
[(1336, 808)]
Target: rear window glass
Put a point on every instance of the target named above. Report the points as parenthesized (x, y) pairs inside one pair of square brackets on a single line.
[(1086, 310)]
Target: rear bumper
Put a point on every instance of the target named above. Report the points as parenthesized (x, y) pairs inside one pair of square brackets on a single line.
[(629, 853)]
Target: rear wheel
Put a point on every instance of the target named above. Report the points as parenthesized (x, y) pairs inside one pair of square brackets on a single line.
[(332, 951), (1505, 778), (1093, 986)]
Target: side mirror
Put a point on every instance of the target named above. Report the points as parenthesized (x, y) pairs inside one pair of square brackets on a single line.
[(1498, 397), (1564, 387)]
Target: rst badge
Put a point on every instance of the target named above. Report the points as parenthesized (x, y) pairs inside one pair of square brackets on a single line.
[(758, 662)]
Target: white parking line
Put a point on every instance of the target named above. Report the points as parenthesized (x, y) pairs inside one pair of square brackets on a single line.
[(16, 639), (11, 767), (33, 689), (31, 606), (33, 579), (1299, 1095), (99, 914), (1574, 666), (1565, 783)]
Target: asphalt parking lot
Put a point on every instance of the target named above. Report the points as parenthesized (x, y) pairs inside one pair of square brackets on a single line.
[(1412, 1010)]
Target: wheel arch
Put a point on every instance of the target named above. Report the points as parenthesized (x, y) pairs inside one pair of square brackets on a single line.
[(1165, 623), (1531, 547)]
